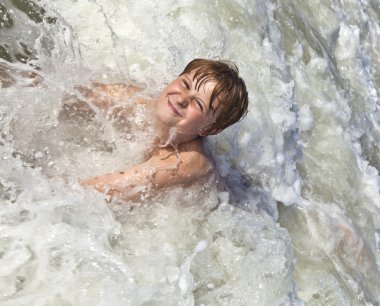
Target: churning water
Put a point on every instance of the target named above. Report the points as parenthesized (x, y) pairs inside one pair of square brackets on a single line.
[(301, 224)]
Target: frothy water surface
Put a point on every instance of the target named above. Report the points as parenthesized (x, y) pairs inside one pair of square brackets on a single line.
[(301, 224)]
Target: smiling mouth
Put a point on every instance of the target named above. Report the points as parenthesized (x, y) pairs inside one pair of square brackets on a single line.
[(173, 109)]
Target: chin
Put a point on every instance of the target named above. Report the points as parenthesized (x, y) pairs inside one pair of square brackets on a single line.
[(165, 119)]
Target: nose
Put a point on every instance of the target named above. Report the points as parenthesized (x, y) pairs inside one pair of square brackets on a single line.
[(183, 101)]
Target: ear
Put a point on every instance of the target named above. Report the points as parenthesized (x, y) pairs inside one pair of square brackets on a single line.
[(215, 131), (203, 133), (206, 132)]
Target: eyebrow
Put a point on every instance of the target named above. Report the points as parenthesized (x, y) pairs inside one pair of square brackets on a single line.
[(188, 78), (197, 88)]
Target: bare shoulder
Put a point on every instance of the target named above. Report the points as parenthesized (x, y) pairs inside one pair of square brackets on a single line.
[(190, 161), (193, 154)]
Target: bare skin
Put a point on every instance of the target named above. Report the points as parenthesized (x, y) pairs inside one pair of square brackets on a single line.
[(165, 168), (181, 107), (182, 161)]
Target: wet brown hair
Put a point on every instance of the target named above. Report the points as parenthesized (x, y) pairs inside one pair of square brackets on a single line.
[(230, 91)]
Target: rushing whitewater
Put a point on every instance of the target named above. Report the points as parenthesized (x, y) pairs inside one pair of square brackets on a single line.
[(300, 224)]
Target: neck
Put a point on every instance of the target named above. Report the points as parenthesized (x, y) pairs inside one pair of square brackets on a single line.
[(174, 137)]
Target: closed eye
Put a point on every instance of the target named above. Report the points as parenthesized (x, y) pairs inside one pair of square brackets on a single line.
[(200, 105), (185, 84)]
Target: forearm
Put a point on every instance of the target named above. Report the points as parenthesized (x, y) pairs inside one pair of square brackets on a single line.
[(163, 170), (106, 96), (126, 184)]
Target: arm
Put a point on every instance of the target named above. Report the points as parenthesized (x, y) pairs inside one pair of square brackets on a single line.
[(162, 170), (107, 96)]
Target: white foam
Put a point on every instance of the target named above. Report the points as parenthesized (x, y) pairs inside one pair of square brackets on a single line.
[(309, 142)]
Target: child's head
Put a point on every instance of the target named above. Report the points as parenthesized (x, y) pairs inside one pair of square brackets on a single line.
[(207, 97), (229, 99)]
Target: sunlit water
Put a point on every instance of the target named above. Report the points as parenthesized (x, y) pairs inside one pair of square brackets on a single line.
[(301, 223)]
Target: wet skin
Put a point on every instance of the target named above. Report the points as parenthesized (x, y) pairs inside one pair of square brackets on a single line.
[(183, 106)]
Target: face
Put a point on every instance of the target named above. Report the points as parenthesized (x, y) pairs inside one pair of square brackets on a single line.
[(183, 106)]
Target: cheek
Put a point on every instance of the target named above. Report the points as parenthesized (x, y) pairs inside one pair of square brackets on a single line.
[(198, 120), (163, 94)]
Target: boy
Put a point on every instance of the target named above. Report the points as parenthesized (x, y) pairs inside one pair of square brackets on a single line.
[(207, 97)]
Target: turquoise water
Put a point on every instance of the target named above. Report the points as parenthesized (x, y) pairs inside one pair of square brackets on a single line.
[(301, 224)]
